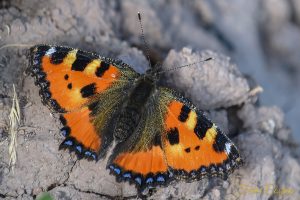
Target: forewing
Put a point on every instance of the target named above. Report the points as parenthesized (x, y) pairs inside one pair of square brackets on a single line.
[(86, 88), (69, 77), (194, 147)]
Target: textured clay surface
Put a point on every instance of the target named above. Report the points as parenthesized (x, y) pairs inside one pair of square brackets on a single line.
[(260, 39)]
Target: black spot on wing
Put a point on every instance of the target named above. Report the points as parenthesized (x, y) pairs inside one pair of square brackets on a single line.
[(69, 86), (58, 56), (102, 69), (173, 136), (203, 124), (220, 141), (82, 60), (93, 107), (188, 150), (184, 113), (66, 77), (42, 49), (88, 90)]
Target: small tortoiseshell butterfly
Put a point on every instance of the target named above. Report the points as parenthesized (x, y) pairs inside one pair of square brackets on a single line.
[(160, 135)]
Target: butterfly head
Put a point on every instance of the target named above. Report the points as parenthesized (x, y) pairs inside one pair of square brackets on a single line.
[(154, 72)]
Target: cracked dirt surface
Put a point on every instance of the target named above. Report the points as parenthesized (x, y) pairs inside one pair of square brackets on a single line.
[(178, 33)]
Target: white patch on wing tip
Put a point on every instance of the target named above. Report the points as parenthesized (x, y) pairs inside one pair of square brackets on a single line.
[(50, 51), (227, 148)]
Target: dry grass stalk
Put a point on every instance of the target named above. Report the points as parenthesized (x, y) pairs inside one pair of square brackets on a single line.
[(14, 122)]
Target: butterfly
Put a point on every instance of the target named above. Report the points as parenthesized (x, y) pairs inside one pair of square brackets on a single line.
[(160, 135)]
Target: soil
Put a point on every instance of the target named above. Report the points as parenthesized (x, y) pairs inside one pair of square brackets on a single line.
[(250, 89)]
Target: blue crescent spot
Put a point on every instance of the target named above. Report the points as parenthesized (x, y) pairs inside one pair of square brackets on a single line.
[(117, 170), (149, 180), (212, 168), (127, 175), (160, 179), (111, 167), (138, 180), (88, 153), (68, 142), (94, 156), (79, 148), (63, 132), (47, 94)]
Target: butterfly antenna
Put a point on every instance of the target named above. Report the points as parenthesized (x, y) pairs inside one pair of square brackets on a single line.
[(143, 38), (188, 65), (15, 45)]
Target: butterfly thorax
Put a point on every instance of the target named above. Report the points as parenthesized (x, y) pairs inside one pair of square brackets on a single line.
[(133, 108)]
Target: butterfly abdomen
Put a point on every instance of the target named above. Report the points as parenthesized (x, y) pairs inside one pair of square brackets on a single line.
[(133, 109)]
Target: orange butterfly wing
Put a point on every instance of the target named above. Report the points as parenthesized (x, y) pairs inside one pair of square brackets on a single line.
[(147, 167), (175, 140), (81, 135), (70, 81), (194, 147), (140, 158), (69, 77)]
